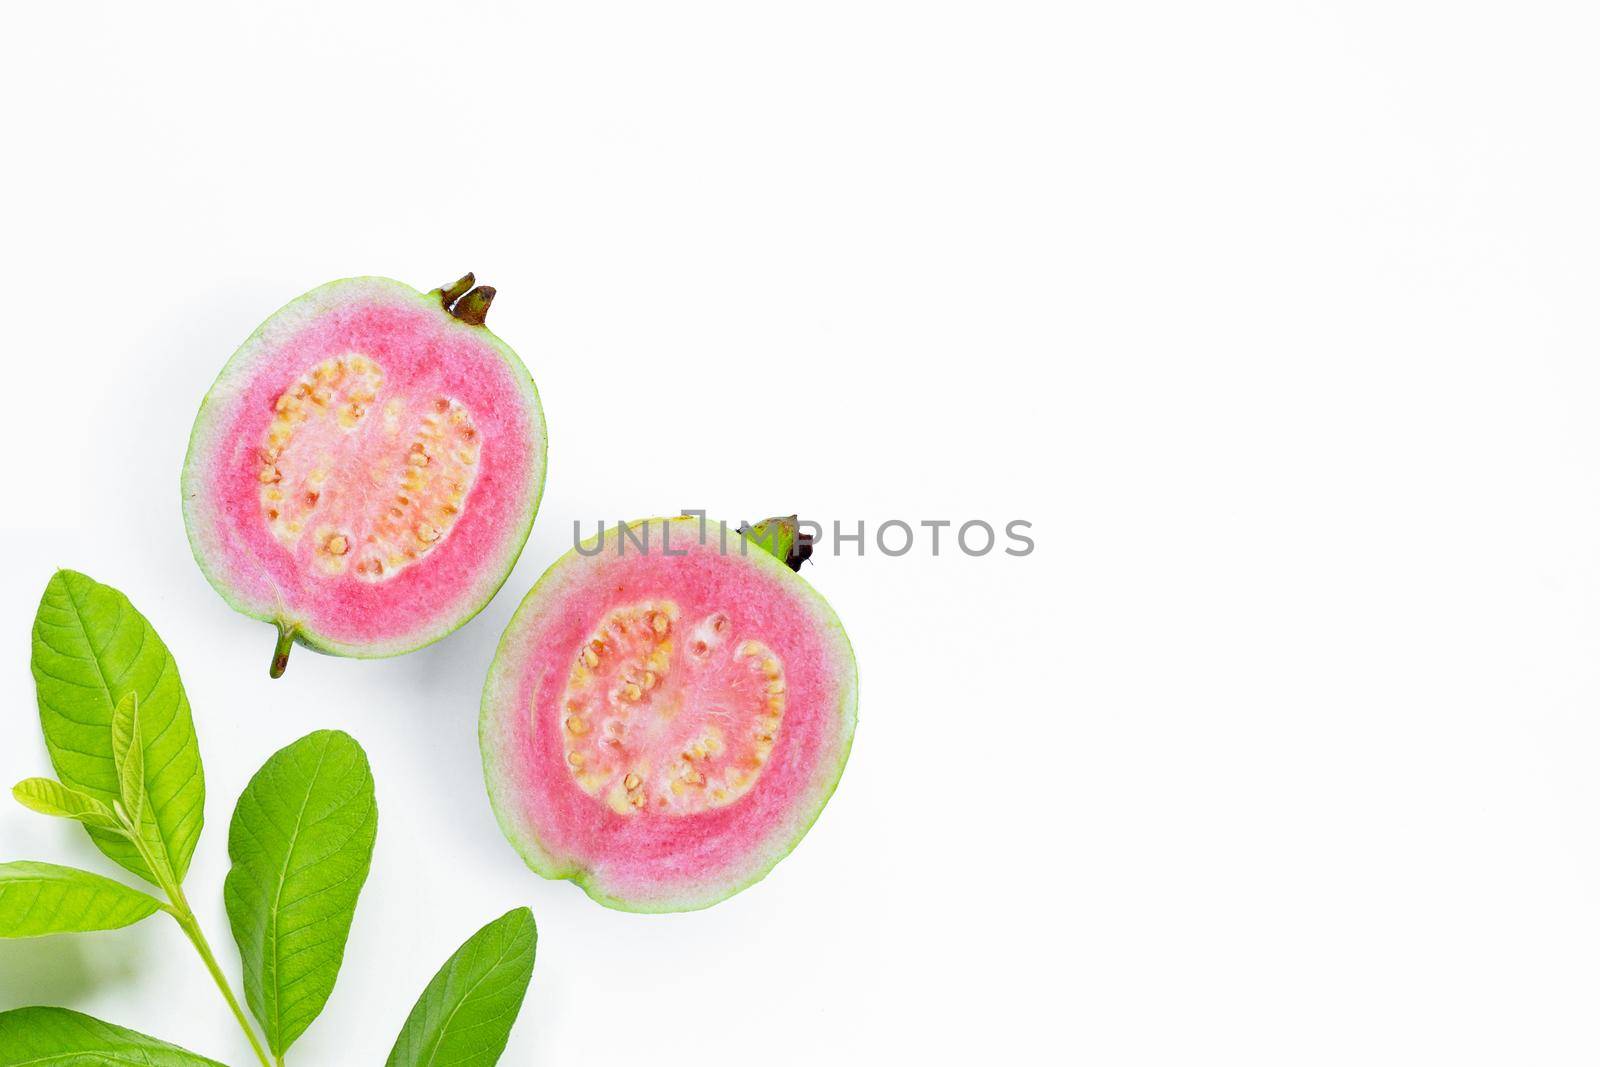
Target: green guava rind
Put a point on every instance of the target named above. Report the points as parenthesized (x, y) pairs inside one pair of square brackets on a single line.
[(212, 420), (504, 753)]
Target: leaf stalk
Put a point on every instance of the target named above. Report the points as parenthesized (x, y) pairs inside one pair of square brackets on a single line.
[(178, 908)]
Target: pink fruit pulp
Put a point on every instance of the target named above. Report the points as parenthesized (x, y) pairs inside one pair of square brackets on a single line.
[(424, 354), (654, 859)]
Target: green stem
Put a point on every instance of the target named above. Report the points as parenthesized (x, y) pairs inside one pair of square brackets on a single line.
[(191, 928), (178, 908)]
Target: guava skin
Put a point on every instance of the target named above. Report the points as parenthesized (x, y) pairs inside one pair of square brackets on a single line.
[(666, 820), (303, 506)]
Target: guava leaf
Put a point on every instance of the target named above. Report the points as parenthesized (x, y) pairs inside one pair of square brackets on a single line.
[(43, 898), (72, 1039), (301, 844), (91, 648), (128, 754), (465, 1015), (49, 797)]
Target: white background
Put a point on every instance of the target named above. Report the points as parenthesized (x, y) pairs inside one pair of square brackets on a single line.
[(1276, 320)]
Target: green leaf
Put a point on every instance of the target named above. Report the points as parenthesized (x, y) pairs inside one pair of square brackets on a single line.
[(71, 1039), (42, 898), (464, 1017), (301, 844), (127, 752), (49, 797), (90, 649)]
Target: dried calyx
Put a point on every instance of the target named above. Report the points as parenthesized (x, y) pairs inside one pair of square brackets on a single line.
[(461, 299), (781, 535)]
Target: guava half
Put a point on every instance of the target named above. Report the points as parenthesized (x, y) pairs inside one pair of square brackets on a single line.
[(366, 468), (668, 712)]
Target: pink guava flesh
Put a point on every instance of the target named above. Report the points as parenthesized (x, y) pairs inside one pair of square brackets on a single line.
[(365, 470), (663, 728)]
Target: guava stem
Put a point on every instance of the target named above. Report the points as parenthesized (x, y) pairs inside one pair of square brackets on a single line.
[(473, 308), (280, 654)]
